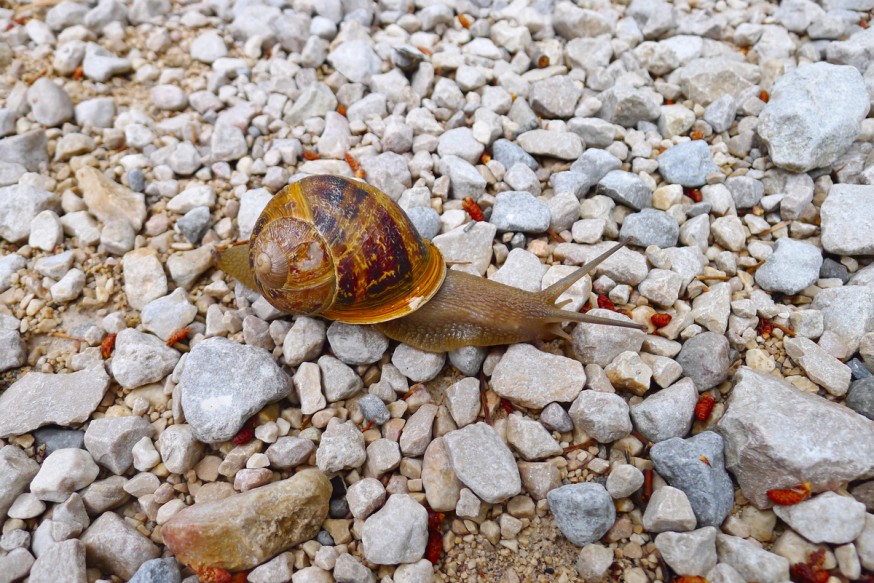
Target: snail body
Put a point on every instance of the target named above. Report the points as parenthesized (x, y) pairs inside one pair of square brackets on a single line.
[(341, 249)]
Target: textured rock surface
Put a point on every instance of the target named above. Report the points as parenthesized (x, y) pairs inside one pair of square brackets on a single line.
[(767, 418), (224, 534)]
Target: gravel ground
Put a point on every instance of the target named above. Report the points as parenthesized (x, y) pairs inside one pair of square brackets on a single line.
[(161, 422)]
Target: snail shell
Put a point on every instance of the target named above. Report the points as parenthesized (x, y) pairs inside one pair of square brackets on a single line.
[(341, 249)]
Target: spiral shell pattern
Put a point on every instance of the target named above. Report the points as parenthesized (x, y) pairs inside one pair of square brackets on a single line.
[(353, 254)]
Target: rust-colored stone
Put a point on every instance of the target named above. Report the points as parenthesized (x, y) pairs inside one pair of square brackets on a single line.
[(244, 530)]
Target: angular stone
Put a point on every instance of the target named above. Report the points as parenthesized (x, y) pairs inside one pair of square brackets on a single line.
[(442, 486), (822, 368), (532, 378), (16, 472), (398, 533), (704, 359), (62, 562), (603, 416), (483, 462), (828, 518), (116, 547), (689, 553), (706, 483), (799, 126), (846, 213), (583, 512), (530, 438), (764, 423), (668, 413), (341, 447), (38, 399), (109, 201), (668, 510), (141, 358), (598, 344), (218, 400), (750, 561), (110, 440), (232, 533)]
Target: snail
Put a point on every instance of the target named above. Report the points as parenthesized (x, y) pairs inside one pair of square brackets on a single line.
[(341, 249)]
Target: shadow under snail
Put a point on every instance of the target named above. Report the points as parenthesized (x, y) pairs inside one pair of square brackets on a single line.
[(341, 249)]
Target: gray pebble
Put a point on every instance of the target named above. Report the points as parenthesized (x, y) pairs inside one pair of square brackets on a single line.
[(651, 227), (49, 103), (158, 571), (324, 538), (510, 154), (521, 177), (426, 220), (555, 418), (626, 105), (799, 143), (554, 144), (338, 379), (101, 65), (625, 188), (208, 47), (54, 438), (19, 205), (289, 452), (583, 512), (707, 485), (746, 191), (720, 114), (520, 211), (860, 397), (195, 223), (468, 359), (831, 269), (705, 359), (687, 164), (136, 180), (555, 97), (373, 409), (217, 400), (98, 112), (467, 447), (110, 440), (28, 150), (667, 413), (12, 350), (460, 142), (792, 267), (846, 215)]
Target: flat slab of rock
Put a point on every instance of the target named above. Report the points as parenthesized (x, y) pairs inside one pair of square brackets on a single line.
[(244, 530), (38, 399), (822, 368), (828, 518), (109, 201), (777, 437), (483, 462), (225, 383), (848, 220), (533, 378)]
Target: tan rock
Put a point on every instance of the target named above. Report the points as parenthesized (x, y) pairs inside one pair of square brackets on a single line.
[(246, 529), (442, 486), (109, 201)]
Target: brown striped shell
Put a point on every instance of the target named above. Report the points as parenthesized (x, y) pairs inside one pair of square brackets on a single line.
[(342, 249)]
